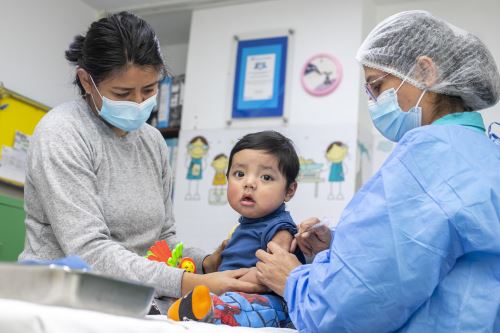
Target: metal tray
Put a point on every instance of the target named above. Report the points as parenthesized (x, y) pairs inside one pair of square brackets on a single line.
[(56, 285)]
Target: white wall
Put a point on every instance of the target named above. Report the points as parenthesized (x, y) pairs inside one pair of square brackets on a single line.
[(175, 57), (478, 17), (34, 35), (320, 26)]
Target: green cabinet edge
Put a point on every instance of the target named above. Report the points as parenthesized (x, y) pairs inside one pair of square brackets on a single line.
[(17, 203)]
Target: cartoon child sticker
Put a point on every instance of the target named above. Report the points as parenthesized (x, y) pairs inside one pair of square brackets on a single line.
[(197, 149), (217, 193), (335, 154)]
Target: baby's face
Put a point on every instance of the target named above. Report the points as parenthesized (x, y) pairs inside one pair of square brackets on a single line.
[(256, 186)]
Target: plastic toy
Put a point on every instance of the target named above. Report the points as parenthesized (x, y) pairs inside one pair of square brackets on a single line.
[(160, 251)]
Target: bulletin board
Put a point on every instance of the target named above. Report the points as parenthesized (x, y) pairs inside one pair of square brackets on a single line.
[(17, 113)]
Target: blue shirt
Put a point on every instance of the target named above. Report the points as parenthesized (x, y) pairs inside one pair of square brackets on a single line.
[(418, 247), (254, 234)]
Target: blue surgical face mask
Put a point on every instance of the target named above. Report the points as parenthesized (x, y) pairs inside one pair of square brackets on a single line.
[(388, 117), (125, 115)]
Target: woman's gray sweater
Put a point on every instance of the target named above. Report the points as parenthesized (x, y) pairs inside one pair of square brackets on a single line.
[(102, 197)]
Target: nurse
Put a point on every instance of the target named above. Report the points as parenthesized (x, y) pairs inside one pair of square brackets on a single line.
[(98, 183), (417, 249)]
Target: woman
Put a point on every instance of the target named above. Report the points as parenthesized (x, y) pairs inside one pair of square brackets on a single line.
[(417, 249), (98, 182)]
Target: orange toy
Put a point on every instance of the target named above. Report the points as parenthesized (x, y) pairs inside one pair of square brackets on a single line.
[(195, 305)]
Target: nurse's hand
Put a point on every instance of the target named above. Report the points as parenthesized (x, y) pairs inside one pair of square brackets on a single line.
[(274, 268), (211, 262), (311, 239)]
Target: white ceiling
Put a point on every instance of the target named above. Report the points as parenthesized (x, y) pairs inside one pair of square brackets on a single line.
[(171, 19), (157, 6)]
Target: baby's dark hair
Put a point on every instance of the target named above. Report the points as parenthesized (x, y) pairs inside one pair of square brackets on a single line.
[(112, 43), (273, 143)]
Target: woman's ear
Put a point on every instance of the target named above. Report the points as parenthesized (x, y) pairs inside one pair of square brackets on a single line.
[(84, 79), (426, 71), (290, 192)]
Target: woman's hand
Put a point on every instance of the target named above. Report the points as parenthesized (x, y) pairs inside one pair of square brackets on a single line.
[(310, 239), (211, 262), (220, 282), (250, 276), (274, 267)]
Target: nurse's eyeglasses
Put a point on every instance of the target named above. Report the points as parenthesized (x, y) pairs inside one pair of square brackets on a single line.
[(370, 91)]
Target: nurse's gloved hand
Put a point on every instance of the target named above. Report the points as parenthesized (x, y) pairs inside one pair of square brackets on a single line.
[(312, 237)]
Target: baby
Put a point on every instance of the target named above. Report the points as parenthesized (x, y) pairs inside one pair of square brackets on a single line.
[(262, 173)]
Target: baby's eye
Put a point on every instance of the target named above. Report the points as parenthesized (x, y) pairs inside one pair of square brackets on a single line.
[(267, 178), (238, 174)]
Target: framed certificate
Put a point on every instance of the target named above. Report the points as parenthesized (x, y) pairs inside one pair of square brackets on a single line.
[(260, 75)]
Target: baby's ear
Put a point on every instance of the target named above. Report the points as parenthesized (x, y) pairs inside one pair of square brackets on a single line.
[(426, 71), (290, 192)]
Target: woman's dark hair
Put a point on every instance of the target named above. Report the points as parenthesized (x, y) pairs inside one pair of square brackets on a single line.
[(112, 43), (445, 102), (275, 144)]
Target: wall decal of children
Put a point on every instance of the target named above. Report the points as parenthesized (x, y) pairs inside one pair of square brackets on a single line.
[(335, 155), (310, 172), (217, 194), (197, 150)]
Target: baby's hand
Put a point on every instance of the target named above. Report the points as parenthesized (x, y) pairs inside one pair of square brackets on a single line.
[(211, 262), (251, 277)]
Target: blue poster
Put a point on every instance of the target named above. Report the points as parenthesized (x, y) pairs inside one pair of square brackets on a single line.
[(164, 103), (259, 84)]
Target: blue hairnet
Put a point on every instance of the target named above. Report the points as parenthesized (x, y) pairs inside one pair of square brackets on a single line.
[(465, 66)]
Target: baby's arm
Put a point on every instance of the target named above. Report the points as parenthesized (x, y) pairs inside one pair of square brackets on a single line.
[(284, 239)]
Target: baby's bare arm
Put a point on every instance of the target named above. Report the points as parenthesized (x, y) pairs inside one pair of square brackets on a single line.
[(284, 239)]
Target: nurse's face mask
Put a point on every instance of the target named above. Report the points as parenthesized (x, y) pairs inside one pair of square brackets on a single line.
[(125, 115), (388, 117)]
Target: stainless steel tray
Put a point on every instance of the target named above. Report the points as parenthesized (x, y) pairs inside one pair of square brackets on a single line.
[(54, 285)]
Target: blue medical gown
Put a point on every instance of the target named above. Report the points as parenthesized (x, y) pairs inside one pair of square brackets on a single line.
[(418, 247)]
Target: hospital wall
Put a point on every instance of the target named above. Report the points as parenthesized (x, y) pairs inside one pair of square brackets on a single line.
[(33, 38), (175, 56), (319, 27)]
